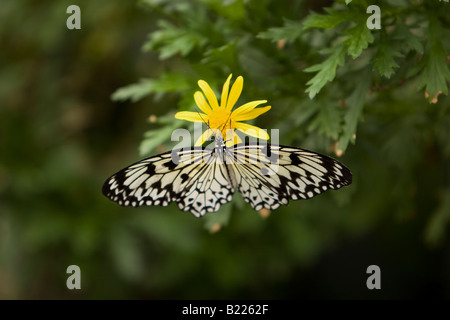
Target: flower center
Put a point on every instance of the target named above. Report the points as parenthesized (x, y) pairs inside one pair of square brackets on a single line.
[(218, 118)]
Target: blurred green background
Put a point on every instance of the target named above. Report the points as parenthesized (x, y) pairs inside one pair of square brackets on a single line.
[(62, 135)]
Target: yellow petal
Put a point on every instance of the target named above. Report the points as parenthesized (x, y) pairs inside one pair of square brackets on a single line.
[(235, 92), (201, 102), (248, 113), (249, 106), (253, 131), (204, 137), (191, 116), (225, 89), (209, 94)]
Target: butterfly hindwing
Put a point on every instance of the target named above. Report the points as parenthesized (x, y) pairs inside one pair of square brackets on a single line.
[(210, 186), (271, 175), (251, 165)]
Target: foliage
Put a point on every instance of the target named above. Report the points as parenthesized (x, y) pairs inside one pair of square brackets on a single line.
[(376, 98), (406, 54)]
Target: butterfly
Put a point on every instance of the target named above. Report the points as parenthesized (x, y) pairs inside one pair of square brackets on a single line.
[(201, 179)]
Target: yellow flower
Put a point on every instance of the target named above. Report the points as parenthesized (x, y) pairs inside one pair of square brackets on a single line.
[(222, 117)]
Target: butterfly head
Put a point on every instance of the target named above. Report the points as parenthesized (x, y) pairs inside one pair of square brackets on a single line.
[(219, 140)]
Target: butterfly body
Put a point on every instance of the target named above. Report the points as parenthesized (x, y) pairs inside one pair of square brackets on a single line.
[(200, 180)]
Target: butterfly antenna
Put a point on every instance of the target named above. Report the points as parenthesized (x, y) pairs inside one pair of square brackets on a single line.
[(205, 122), (226, 122)]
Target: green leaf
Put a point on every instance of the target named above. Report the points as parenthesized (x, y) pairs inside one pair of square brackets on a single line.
[(291, 31), (156, 137), (258, 65), (326, 70), (408, 40), (303, 113), (170, 40), (360, 38), (327, 21), (384, 60), (355, 104), (168, 6), (328, 120), (435, 73), (225, 55), (166, 83), (230, 9), (133, 92)]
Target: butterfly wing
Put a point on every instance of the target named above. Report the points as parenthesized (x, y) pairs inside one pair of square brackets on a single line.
[(270, 175), (195, 178), (200, 181)]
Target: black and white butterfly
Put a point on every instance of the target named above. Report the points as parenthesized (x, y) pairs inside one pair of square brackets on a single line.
[(200, 180)]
